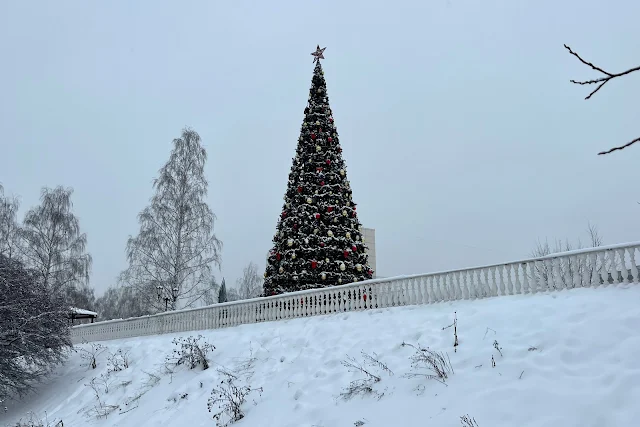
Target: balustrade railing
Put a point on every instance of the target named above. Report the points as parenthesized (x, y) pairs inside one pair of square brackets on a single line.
[(581, 268)]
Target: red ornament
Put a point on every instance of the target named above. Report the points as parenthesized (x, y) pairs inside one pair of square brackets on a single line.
[(284, 214), (329, 208), (299, 189), (354, 214), (328, 161), (314, 264), (354, 207), (331, 119), (313, 136), (354, 248), (319, 168), (317, 216), (329, 139), (322, 183), (346, 254), (278, 256), (322, 244), (295, 226)]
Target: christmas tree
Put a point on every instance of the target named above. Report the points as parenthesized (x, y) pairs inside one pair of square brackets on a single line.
[(318, 241)]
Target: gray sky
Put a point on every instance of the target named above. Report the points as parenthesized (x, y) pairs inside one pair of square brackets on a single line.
[(464, 140)]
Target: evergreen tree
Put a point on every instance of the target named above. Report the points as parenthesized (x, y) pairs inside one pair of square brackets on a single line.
[(318, 240), (222, 294)]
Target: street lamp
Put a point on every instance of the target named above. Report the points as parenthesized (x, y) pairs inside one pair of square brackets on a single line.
[(167, 298)]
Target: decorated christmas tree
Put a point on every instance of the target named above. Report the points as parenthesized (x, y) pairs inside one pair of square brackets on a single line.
[(318, 240)]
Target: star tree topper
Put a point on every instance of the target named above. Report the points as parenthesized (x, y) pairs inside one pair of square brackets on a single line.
[(318, 54)]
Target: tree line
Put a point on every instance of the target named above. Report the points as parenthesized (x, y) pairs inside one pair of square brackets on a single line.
[(171, 261)]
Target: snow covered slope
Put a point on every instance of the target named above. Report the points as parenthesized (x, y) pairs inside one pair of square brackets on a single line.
[(570, 358)]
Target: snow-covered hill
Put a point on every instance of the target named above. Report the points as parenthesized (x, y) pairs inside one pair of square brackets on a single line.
[(569, 358)]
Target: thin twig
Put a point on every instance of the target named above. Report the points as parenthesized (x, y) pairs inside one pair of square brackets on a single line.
[(601, 81)]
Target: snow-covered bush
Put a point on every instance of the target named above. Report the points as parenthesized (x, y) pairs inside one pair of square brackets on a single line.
[(364, 386), (437, 364), (118, 361), (34, 336), (90, 354), (191, 352), (228, 398), (34, 421)]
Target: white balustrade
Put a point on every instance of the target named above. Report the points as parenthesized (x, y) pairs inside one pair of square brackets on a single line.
[(603, 266)]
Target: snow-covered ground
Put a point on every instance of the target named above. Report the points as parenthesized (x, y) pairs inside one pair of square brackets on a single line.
[(570, 358)]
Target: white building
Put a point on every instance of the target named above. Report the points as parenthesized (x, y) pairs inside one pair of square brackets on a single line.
[(369, 235)]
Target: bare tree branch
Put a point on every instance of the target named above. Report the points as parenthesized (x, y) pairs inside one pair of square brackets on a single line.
[(601, 82)]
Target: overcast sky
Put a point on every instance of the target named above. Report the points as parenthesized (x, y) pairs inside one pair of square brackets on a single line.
[(464, 140)]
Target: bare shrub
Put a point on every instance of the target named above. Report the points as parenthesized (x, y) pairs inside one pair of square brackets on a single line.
[(132, 402), (34, 421), (118, 361), (90, 355), (100, 385), (467, 421), (228, 397), (364, 386), (191, 352), (437, 364), (497, 347), (455, 331)]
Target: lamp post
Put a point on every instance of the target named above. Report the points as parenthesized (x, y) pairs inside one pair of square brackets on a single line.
[(174, 296)]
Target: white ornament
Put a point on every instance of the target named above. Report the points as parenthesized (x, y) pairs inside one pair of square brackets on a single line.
[(340, 280), (315, 231), (355, 279), (318, 148), (324, 276), (357, 238), (342, 266), (306, 241), (309, 200), (329, 233), (290, 242), (344, 213), (348, 235), (265, 274), (318, 123), (293, 256), (295, 277), (342, 172), (326, 260), (359, 267), (335, 219), (281, 270), (303, 272)]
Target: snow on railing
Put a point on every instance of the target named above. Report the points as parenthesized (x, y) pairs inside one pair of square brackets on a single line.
[(580, 268)]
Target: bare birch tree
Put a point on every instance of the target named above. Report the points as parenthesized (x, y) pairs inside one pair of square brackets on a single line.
[(9, 227), (175, 247), (52, 244), (250, 284)]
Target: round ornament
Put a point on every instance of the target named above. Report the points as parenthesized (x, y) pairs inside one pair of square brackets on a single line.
[(313, 136), (339, 279), (318, 148), (281, 270), (290, 242), (318, 123), (342, 266), (328, 161), (344, 213), (293, 256), (329, 139), (326, 260), (299, 189), (359, 267), (315, 231), (317, 216), (342, 172), (330, 233), (324, 276), (348, 235), (314, 264), (309, 200)]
